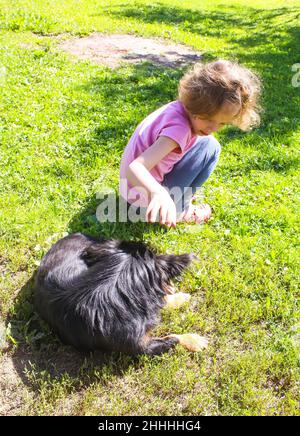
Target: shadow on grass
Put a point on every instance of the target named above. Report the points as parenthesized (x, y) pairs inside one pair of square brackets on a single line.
[(86, 221), (39, 355), (214, 23), (271, 140), (270, 47)]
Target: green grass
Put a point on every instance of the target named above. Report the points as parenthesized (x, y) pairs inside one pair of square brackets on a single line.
[(63, 127)]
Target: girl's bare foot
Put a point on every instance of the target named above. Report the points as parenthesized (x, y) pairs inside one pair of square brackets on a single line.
[(196, 213)]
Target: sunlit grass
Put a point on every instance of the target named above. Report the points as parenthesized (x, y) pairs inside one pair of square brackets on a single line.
[(63, 127)]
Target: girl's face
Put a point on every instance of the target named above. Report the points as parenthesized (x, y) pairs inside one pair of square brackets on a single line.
[(206, 126)]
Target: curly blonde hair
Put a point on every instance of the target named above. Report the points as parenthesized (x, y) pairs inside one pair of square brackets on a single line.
[(206, 87)]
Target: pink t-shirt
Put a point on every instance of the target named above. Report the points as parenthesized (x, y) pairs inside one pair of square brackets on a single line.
[(170, 120)]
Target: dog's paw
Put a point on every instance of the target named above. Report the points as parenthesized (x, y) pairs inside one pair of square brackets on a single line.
[(192, 341), (177, 300)]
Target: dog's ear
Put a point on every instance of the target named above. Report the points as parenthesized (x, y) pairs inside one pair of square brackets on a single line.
[(92, 254), (173, 265)]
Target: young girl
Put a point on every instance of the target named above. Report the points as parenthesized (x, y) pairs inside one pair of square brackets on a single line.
[(172, 152)]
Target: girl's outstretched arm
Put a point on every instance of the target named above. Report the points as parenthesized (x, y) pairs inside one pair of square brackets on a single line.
[(138, 174)]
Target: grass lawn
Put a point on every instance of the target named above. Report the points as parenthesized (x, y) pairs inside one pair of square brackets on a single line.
[(63, 126)]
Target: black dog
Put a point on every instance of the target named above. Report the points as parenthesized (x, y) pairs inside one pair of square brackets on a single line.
[(107, 294)]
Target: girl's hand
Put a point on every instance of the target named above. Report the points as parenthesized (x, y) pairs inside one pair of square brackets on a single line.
[(162, 203)]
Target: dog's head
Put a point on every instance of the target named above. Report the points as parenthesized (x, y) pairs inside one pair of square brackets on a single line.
[(141, 266), (168, 266), (145, 262), (172, 265)]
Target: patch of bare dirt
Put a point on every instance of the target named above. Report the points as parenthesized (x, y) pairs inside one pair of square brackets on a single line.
[(113, 50), (13, 393)]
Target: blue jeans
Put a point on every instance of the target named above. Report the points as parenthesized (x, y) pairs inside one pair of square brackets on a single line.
[(192, 170)]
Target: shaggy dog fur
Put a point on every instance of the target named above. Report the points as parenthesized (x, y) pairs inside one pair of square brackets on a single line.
[(106, 294)]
